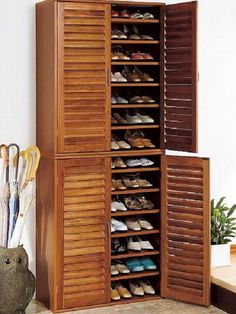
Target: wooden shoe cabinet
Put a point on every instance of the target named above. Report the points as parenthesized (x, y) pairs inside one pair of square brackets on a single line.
[(74, 133)]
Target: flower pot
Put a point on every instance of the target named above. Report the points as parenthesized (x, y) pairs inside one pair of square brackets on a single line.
[(220, 255)]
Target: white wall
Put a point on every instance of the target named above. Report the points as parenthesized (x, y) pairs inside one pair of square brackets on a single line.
[(217, 100)]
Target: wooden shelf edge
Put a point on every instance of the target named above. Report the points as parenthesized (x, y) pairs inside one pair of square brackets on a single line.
[(137, 299), (135, 254), (131, 233), (135, 42), (140, 274), (135, 126), (135, 191), (135, 212), (125, 106), (134, 21), (137, 169), (134, 62), (134, 84)]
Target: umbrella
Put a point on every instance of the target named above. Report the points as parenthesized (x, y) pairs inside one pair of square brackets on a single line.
[(14, 198), (5, 203), (2, 203), (26, 193)]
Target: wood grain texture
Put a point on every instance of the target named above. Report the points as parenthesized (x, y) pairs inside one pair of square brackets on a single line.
[(185, 229), (180, 76), (84, 202), (84, 99)]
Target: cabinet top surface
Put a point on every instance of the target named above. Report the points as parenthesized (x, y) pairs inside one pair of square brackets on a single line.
[(120, 2)]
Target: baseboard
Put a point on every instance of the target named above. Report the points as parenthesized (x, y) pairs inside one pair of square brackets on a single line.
[(223, 299), (233, 248)]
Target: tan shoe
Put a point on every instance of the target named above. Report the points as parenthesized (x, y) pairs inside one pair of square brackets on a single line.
[(114, 294), (118, 162), (147, 287), (118, 185), (121, 268), (136, 288), (123, 292)]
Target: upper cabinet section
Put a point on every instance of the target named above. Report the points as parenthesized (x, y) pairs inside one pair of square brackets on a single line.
[(180, 76), (83, 77)]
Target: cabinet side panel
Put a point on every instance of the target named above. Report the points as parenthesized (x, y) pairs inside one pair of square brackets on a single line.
[(45, 233), (46, 75)]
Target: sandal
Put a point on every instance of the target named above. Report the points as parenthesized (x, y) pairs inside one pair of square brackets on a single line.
[(134, 140), (144, 183), (132, 203), (146, 204), (130, 182), (118, 185), (118, 247)]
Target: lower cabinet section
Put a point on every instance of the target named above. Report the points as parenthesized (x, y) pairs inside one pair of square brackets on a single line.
[(83, 239)]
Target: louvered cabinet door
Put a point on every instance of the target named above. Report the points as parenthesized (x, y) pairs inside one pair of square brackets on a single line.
[(185, 229), (84, 209), (180, 76), (83, 77)]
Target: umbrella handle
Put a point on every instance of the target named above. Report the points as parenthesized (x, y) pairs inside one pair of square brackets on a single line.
[(16, 158)]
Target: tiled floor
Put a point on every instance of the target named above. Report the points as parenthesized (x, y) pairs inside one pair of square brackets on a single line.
[(225, 276), (150, 307)]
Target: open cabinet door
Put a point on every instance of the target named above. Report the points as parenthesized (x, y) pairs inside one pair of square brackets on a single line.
[(185, 229), (179, 94)]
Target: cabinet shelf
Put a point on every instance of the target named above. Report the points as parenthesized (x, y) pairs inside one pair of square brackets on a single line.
[(134, 62), (140, 274), (117, 20), (135, 212), (136, 152), (144, 298), (134, 84), (137, 169), (135, 42), (131, 254), (135, 191), (131, 233), (126, 106), (135, 126)]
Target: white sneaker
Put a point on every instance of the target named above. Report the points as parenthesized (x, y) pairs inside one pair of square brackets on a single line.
[(147, 287), (132, 224), (133, 245), (145, 244), (146, 162), (119, 225), (113, 79), (135, 288), (145, 118), (134, 119), (118, 206), (144, 224), (133, 162)]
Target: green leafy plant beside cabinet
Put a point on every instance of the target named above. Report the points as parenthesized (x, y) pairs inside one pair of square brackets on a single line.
[(223, 225)]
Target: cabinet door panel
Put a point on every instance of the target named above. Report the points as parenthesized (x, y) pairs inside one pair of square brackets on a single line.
[(180, 76), (83, 77), (84, 217), (185, 229)]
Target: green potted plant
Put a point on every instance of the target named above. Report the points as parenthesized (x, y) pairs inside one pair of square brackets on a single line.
[(223, 229)]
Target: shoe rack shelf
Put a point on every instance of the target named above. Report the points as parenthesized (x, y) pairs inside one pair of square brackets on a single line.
[(135, 63), (135, 127), (134, 21), (130, 106), (135, 299), (134, 84), (134, 42), (131, 233), (135, 212), (135, 191), (132, 254), (140, 274), (138, 169)]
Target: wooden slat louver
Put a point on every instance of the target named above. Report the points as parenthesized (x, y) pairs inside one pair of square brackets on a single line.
[(185, 225), (180, 77), (84, 267), (83, 35)]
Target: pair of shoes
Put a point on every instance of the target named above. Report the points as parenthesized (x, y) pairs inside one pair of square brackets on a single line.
[(118, 77), (131, 117), (118, 34), (139, 162), (140, 287), (117, 55), (137, 202), (117, 184), (117, 267), (122, 14), (138, 223), (117, 205), (138, 244), (118, 246), (137, 139), (135, 75), (117, 144), (133, 181), (145, 16), (141, 100), (118, 100), (118, 163), (117, 225), (140, 264), (141, 56), (119, 291), (135, 34)]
